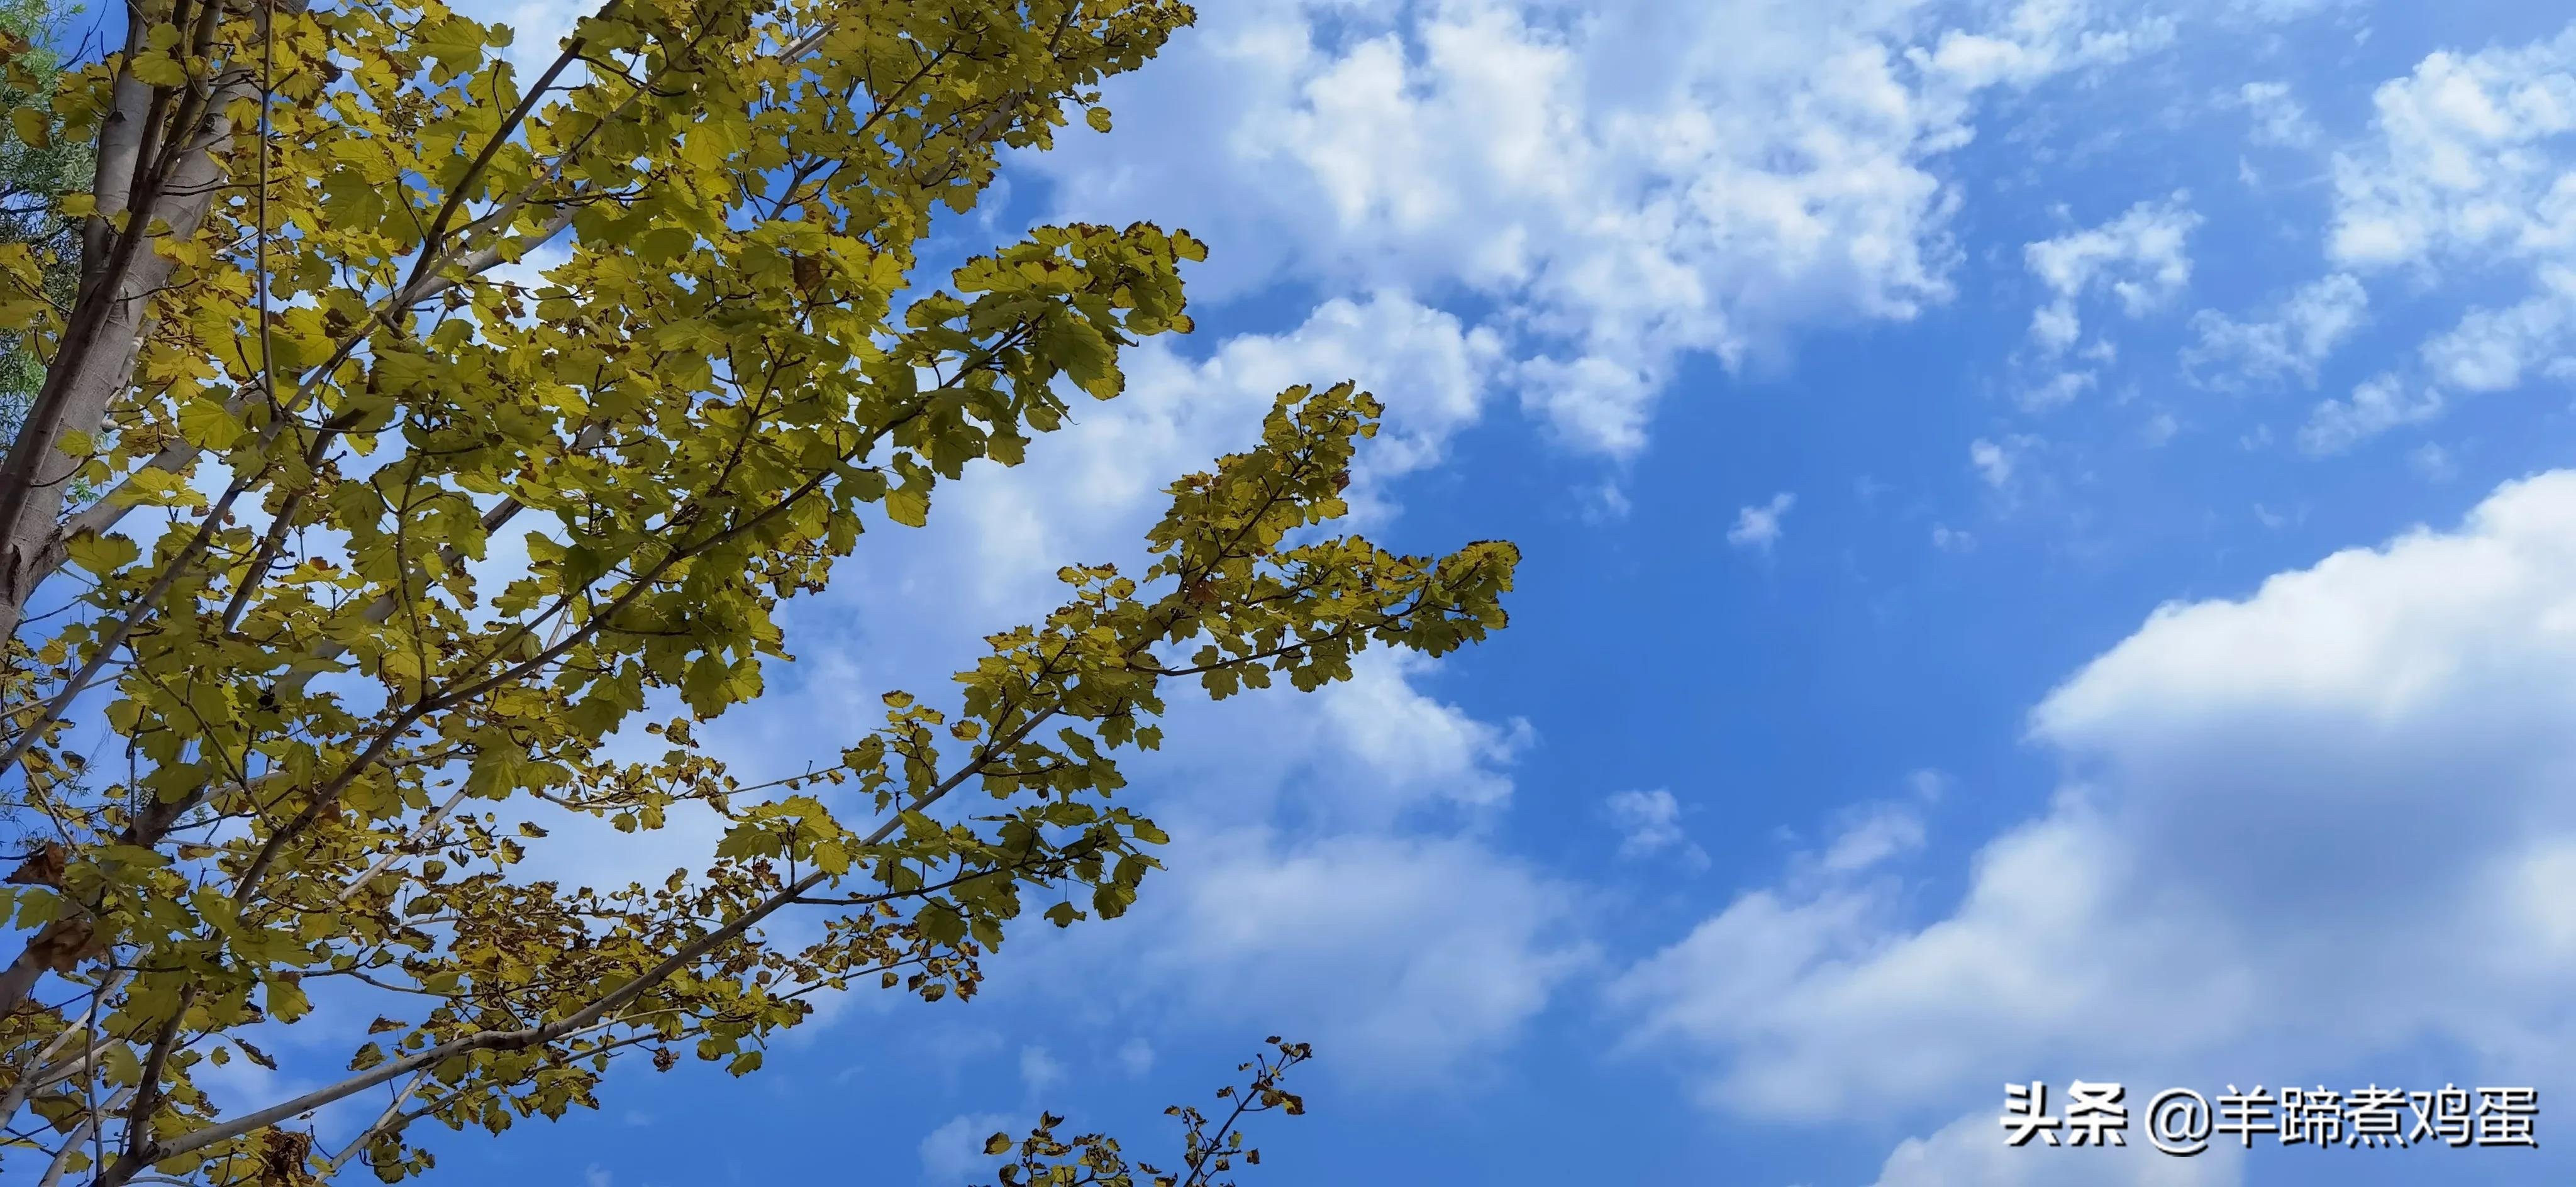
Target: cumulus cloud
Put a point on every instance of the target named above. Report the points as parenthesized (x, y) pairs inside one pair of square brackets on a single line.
[(2432, 462), (1091, 489), (1411, 959), (2468, 161), (1870, 835), (1136, 1057), (1650, 822), (2497, 349), (2345, 790), (1970, 1152), (954, 1152), (1646, 820), (2469, 169), (1416, 747), (1632, 182), (1374, 753), (1758, 527), (2260, 12), (2142, 258), (1309, 891), (2300, 334), (1039, 1070), (2059, 388), (1998, 462), (2377, 405), (2279, 118)]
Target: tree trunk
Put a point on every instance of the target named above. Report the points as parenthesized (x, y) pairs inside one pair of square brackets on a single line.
[(166, 171)]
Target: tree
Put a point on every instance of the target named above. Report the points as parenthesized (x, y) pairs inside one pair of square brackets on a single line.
[(357, 301), (1094, 1160), (37, 168)]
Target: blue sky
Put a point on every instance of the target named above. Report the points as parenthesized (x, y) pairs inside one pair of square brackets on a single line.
[(2043, 562)]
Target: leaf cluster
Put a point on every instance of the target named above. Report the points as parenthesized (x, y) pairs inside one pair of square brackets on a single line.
[(477, 430)]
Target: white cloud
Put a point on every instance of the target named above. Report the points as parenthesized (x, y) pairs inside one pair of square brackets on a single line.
[(1647, 821), (1650, 822), (2142, 258), (1297, 900), (2345, 790), (2279, 119), (2039, 38), (954, 1152), (1039, 1071), (2495, 349), (2058, 389), (1950, 539), (1631, 182), (2277, 11), (1136, 1057), (2468, 162), (1374, 754), (1604, 503), (1408, 959), (2377, 405), (2470, 169), (1997, 461), (1090, 490), (2307, 328), (1870, 835), (596, 1175), (1418, 749), (1970, 1152), (1759, 527), (2432, 462)]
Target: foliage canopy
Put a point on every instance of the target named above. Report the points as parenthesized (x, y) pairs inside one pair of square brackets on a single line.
[(366, 313)]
